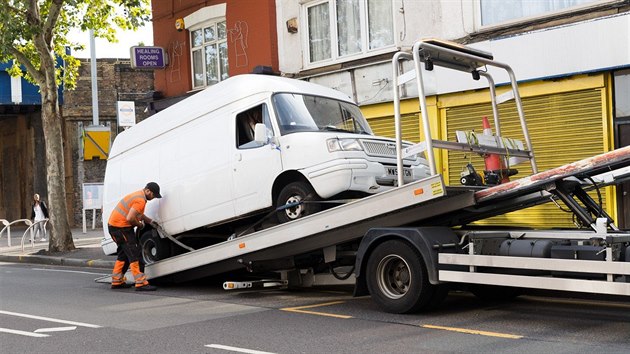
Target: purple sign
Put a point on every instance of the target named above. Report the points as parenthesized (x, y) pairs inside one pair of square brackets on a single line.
[(148, 57)]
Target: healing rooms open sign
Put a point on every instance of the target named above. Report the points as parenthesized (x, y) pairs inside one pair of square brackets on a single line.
[(148, 57)]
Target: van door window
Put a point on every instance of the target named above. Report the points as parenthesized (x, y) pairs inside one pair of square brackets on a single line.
[(245, 123)]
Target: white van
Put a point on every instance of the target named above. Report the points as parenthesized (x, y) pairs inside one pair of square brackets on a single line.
[(244, 147)]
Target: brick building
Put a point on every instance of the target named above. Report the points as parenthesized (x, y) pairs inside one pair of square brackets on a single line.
[(23, 169), (117, 81), (209, 41)]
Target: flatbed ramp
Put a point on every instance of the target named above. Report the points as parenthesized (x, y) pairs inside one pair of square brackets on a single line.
[(425, 202), (399, 206)]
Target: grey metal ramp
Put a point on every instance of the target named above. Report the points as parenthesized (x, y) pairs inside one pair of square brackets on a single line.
[(590, 166), (415, 201), (529, 191)]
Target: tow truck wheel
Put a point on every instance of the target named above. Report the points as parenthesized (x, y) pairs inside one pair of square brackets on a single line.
[(397, 278), (153, 247), (293, 193)]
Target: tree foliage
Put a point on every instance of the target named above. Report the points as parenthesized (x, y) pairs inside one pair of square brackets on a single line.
[(34, 34), (24, 22)]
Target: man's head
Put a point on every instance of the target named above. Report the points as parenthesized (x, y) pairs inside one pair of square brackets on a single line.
[(152, 190)]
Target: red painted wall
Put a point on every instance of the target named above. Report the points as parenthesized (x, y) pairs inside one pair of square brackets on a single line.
[(253, 42)]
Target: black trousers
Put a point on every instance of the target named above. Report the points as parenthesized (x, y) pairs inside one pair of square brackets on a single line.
[(128, 244)]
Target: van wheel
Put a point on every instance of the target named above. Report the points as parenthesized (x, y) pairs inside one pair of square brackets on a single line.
[(293, 193), (153, 247)]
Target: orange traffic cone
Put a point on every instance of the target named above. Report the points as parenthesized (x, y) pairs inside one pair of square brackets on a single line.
[(495, 166)]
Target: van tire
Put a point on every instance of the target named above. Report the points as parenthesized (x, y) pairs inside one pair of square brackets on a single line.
[(293, 192), (153, 248)]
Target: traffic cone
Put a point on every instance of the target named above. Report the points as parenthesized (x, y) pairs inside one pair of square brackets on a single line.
[(495, 166)]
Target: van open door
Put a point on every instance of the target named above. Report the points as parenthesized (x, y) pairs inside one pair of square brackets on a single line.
[(261, 159)]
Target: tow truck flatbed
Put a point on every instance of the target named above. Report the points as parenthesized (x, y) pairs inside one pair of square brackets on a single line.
[(425, 202)]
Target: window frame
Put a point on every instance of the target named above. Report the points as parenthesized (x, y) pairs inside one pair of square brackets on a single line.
[(334, 47), (242, 116), (516, 21), (217, 42)]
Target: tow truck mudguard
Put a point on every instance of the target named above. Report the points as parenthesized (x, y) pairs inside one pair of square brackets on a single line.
[(429, 241)]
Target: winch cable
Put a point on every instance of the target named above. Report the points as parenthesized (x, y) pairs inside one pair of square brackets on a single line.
[(165, 234), (287, 206)]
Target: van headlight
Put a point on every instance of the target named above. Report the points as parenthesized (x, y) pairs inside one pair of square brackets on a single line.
[(343, 145)]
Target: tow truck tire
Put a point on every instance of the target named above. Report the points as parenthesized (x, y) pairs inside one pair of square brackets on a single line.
[(153, 247), (295, 192), (397, 278)]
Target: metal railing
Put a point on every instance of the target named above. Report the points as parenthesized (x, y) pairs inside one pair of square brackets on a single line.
[(30, 228), (7, 227)]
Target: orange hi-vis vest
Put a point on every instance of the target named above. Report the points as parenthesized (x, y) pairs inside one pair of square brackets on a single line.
[(136, 200)]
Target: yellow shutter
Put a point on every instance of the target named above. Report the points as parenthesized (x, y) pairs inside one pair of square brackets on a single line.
[(564, 127), (384, 126)]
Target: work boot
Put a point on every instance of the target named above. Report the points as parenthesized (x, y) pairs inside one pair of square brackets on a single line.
[(146, 288), (121, 286)]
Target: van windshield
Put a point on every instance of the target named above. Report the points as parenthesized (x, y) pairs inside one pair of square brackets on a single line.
[(303, 113)]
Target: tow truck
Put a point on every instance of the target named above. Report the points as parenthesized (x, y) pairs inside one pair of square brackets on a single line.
[(408, 246)]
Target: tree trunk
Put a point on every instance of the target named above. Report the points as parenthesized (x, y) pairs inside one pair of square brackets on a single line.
[(61, 235)]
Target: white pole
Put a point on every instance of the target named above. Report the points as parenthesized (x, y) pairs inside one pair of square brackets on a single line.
[(93, 76)]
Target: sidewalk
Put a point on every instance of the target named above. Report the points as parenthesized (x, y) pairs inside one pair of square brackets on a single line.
[(88, 252)]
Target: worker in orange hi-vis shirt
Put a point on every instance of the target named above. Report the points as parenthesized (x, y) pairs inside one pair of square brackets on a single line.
[(129, 212)]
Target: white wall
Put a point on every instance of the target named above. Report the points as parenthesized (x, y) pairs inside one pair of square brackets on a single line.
[(592, 45), (419, 19)]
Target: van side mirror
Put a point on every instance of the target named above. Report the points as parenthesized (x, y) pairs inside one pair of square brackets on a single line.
[(260, 134)]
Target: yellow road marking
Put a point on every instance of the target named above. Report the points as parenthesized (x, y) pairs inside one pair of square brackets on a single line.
[(300, 309), (474, 331)]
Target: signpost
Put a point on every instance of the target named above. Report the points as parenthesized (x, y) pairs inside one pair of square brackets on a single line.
[(92, 200), (148, 58), (126, 113)]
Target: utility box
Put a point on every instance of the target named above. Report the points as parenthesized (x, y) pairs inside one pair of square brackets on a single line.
[(96, 142)]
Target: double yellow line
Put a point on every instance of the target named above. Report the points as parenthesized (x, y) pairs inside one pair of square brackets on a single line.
[(303, 309)]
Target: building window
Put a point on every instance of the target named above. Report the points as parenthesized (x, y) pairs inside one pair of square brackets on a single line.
[(209, 54), (338, 29), (494, 12)]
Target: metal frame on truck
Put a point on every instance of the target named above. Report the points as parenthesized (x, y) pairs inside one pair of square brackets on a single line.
[(409, 245)]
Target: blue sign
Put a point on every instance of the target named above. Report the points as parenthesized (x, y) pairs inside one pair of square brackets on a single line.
[(22, 92), (148, 57)]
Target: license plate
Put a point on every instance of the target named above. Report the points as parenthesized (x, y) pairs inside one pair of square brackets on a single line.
[(393, 171)]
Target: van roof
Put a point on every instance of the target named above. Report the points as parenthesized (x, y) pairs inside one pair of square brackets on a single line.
[(212, 98)]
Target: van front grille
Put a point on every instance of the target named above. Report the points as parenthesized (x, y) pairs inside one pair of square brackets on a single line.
[(381, 148)]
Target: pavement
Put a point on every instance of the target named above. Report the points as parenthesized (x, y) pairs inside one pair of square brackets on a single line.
[(88, 252)]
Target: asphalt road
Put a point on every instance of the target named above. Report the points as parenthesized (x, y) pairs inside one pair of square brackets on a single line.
[(51, 309)]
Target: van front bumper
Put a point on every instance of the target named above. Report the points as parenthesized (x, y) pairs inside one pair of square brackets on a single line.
[(336, 176)]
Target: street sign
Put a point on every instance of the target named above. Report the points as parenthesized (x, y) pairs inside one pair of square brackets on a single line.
[(148, 57), (126, 112)]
